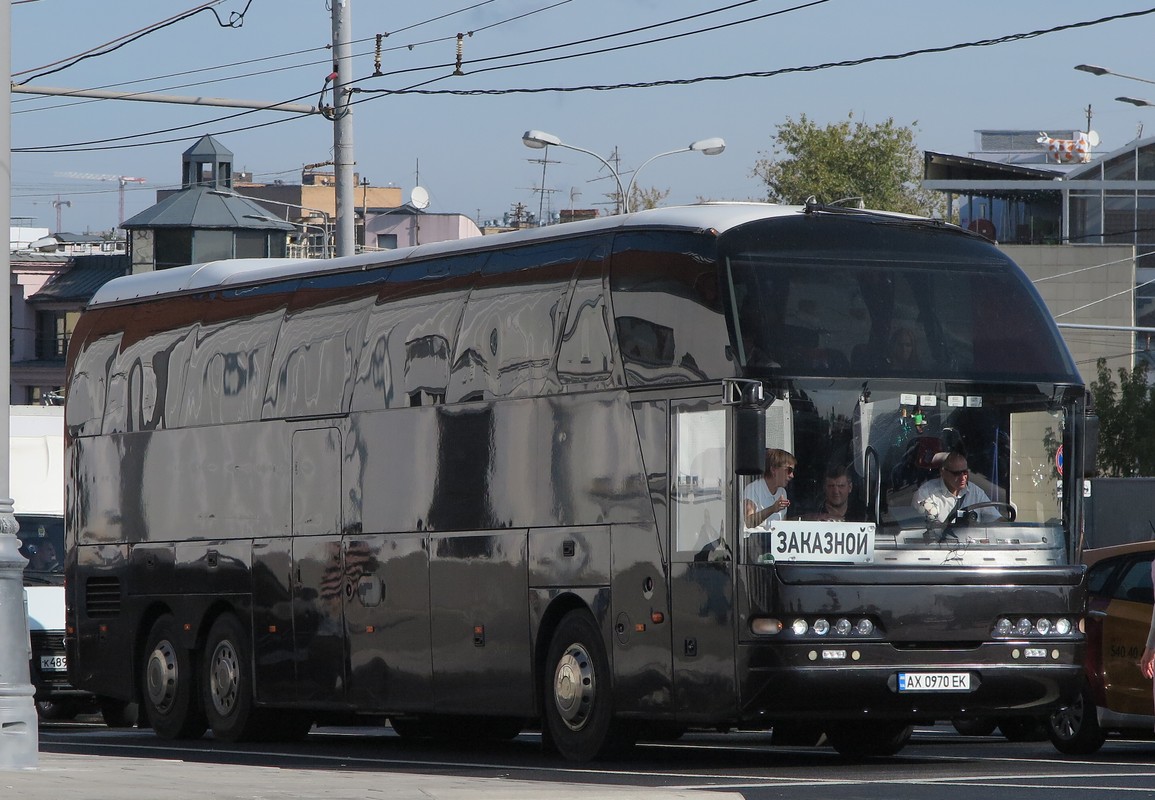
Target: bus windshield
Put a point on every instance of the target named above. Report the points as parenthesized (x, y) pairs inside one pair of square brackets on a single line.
[(915, 474), (855, 297)]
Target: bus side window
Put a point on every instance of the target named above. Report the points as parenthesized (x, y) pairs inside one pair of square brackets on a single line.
[(668, 308), (585, 357), (513, 320)]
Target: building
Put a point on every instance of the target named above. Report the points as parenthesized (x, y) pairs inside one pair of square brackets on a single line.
[(205, 220), (48, 292), (1082, 225)]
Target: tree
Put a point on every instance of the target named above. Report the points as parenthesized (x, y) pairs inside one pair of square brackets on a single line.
[(848, 160), (653, 197), (1126, 412)]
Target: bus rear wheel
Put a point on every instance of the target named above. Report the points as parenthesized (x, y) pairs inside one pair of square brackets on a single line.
[(577, 702), (170, 697), (227, 682), (867, 739)]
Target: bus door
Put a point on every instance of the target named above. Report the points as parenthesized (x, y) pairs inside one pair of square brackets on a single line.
[(319, 584), (701, 562)]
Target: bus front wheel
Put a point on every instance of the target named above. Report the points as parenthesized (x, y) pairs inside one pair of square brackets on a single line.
[(577, 702), (170, 697)]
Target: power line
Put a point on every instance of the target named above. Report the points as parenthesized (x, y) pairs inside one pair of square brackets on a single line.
[(236, 20), (758, 74), (91, 145)]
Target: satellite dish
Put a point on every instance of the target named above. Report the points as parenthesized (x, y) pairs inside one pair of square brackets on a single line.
[(1093, 138), (419, 198)]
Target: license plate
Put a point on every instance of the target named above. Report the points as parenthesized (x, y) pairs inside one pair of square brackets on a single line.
[(934, 681), (54, 663)]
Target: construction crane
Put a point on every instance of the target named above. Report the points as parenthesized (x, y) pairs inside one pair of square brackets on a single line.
[(122, 180)]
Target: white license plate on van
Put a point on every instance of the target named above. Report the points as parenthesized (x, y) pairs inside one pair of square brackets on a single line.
[(934, 682), (54, 663)]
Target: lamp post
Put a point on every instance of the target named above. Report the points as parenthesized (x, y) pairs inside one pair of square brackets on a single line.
[(536, 140), (324, 214), (707, 147), (1094, 69)]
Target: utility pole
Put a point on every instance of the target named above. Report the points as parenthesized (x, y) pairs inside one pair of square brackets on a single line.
[(19, 732), (343, 128)]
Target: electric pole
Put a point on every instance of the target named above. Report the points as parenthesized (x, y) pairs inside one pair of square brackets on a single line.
[(343, 129)]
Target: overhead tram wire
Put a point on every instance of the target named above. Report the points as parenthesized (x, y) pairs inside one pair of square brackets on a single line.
[(741, 75), (236, 20), (326, 61), (416, 90), (88, 146)]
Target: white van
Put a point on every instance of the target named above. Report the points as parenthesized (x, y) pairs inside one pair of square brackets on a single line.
[(36, 485)]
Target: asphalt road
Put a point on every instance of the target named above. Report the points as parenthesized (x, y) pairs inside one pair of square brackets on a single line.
[(364, 761)]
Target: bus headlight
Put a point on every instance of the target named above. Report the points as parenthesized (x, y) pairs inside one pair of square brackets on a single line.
[(842, 627), (1023, 627), (1063, 626), (821, 627), (799, 627), (1043, 626), (1003, 627), (766, 626)]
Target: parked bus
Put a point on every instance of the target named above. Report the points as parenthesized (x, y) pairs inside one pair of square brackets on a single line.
[(484, 485)]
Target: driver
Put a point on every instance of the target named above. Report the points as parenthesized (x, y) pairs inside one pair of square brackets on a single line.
[(938, 497)]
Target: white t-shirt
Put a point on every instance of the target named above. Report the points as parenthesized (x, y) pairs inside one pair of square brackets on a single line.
[(760, 495), (934, 496)]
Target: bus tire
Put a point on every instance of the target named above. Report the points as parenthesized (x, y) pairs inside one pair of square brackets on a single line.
[(868, 739), (169, 695), (1074, 729), (578, 704), (227, 682)]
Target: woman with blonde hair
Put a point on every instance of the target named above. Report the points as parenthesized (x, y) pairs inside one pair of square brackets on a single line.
[(766, 500)]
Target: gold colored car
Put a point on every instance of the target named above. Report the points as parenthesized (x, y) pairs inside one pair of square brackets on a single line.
[(1116, 696)]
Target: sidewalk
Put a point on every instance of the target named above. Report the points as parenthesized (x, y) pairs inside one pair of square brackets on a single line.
[(80, 777)]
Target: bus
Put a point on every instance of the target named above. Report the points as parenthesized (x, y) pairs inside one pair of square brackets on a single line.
[(497, 484)]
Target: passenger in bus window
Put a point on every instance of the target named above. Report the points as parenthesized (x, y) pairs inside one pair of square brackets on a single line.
[(838, 501), (902, 353), (766, 500), (939, 497), (42, 557)]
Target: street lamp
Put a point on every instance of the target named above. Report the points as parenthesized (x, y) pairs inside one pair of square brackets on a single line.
[(303, 225), (536, 140), (1094, 69), (1135, 101), (707, 147), (324, 214)]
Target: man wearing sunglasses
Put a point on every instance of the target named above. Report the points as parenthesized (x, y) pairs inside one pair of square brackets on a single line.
[(939, 497)]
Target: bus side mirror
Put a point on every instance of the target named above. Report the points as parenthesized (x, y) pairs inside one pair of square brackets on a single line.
[(749, 440)]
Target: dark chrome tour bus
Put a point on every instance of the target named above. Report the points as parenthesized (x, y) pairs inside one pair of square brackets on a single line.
[(498, 483)]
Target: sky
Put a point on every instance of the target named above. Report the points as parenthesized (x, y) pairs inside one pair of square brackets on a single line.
[(687, 70)]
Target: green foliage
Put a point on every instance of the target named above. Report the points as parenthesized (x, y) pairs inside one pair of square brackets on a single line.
[(879, 163), (1126, 412), (653, 197)]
